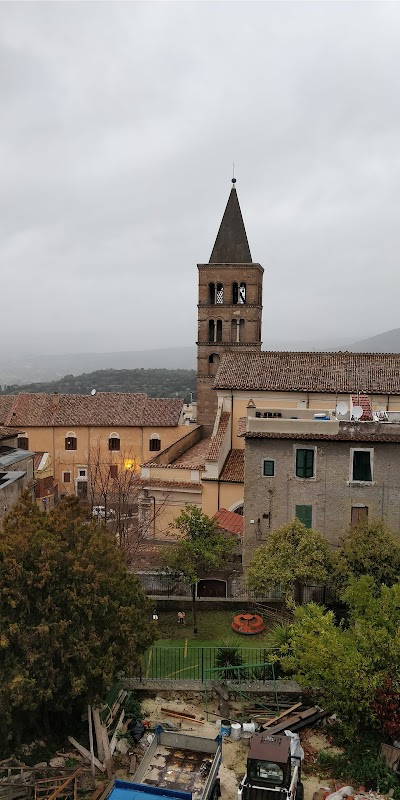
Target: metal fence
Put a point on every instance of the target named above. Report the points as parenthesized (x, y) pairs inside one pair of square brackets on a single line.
[(158, 584), (195, 663)]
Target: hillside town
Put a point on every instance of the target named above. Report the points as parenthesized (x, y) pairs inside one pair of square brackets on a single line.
[(199, 568)]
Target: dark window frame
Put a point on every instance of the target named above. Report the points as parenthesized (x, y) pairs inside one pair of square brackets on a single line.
[(114, 443), (65, 479), (305, 463), (361, 465), (154, 445), (71, 443), (23, 442), (268, 461)]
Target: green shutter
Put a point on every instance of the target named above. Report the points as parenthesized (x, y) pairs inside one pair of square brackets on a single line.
[(304, 514), (268, 468), (305, 463)]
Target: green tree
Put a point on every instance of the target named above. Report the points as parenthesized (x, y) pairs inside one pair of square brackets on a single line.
[(202, 548), (293, 556), (368, 549), (71, 616), (346, 665)]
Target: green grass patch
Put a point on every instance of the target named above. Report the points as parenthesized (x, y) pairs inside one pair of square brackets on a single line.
[(214, 628)]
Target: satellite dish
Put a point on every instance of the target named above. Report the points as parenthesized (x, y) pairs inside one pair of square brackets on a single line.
[(357, 412), (342, 409), (93, 392)]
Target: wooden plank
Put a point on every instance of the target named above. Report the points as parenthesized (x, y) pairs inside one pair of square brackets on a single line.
[(283, 714), (182, 716), (118, 727), (63, 785), (132, 765), (99, 734), (98, 792), (86, 754), (107, 754), (91, 747)]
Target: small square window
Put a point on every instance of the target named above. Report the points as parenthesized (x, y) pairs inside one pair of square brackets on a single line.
[(304, 463), (82, 473), (268, 468), (155, 444), (362, 469), (114, 443), (66, 477), (358, 514), (70, 442), (23, 442)]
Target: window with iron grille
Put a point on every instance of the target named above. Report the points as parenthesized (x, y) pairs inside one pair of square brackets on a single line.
[(220, 293), (304, 463), (155, 444), (304, 515)]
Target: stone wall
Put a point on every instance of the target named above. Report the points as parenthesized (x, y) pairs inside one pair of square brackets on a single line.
[(271, 501)]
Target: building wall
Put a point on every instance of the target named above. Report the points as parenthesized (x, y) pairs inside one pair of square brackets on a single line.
[(10, 495), (330, 493), (134, 445), (222, 495)]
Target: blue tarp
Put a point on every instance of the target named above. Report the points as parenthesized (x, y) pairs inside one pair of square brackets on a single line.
[(124, 790)]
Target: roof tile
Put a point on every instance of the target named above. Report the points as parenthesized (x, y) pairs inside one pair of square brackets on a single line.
[(106, 409), (217, 440), (233, 470), (347, 373), (229, 521)]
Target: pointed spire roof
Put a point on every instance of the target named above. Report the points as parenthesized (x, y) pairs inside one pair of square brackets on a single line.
[(231, 245)]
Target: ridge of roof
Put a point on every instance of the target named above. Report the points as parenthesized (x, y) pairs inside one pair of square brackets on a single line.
[(231, 245), (289, 371)]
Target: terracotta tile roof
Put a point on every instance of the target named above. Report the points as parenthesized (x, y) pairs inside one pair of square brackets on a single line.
[(6, 433), (217, 440), (348, 432), (365, 402), (229, 521), (344, 373), (6, 402), (242, 426), (166, 484), (108, 409), (233, 470), (195, 456)]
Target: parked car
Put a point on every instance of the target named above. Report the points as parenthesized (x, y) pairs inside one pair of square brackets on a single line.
[(99, 512)]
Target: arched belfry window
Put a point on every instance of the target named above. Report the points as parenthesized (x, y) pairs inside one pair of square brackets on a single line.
[(242, 293), (211, 293), (211, 330), (114, 442), (218, 337), (241, 331), (213, 363), (235, 293), (234, 330), (220, 293)]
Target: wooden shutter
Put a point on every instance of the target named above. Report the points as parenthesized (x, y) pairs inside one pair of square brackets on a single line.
[(304, 514), (358, 513), (304, 463)]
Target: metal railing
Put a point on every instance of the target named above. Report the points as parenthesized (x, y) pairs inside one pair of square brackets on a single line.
[(195, 663)]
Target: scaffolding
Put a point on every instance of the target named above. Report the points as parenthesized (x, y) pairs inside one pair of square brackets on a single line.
[(236, 679)]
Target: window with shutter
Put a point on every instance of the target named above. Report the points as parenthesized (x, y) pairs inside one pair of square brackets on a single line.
[(23, 442), (268, 468), (304, 515), (304, 463), (358, 513)]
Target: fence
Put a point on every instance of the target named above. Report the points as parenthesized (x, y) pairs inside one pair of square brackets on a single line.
[(194, 663), (158, 584)]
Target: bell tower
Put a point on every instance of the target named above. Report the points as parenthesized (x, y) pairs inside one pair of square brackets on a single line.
[(229, 307)]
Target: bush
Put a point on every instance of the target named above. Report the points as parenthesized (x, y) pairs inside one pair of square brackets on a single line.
[(361, 764), (226, 659)]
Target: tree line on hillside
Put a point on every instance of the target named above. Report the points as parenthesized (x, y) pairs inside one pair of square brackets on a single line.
[(153, 382)]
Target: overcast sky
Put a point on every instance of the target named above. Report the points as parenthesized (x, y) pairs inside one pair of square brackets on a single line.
[(119, 123)]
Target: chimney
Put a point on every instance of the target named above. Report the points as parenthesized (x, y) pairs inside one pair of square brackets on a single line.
[(55, 399)]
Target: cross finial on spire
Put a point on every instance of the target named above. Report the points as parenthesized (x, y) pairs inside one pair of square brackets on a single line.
[(233, 173)]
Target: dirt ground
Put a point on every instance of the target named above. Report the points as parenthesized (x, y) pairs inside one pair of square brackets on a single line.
[(234, 754)]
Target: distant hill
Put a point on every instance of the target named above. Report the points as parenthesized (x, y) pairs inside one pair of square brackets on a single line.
[(386, 342), (37, 368), (153, 382)]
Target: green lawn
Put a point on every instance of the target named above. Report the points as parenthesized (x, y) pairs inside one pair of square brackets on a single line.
[(214, 628)]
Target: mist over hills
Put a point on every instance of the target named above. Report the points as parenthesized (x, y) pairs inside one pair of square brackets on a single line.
[(20, 370)]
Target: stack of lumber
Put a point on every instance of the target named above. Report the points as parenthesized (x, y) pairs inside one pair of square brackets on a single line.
[(294, 720)]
